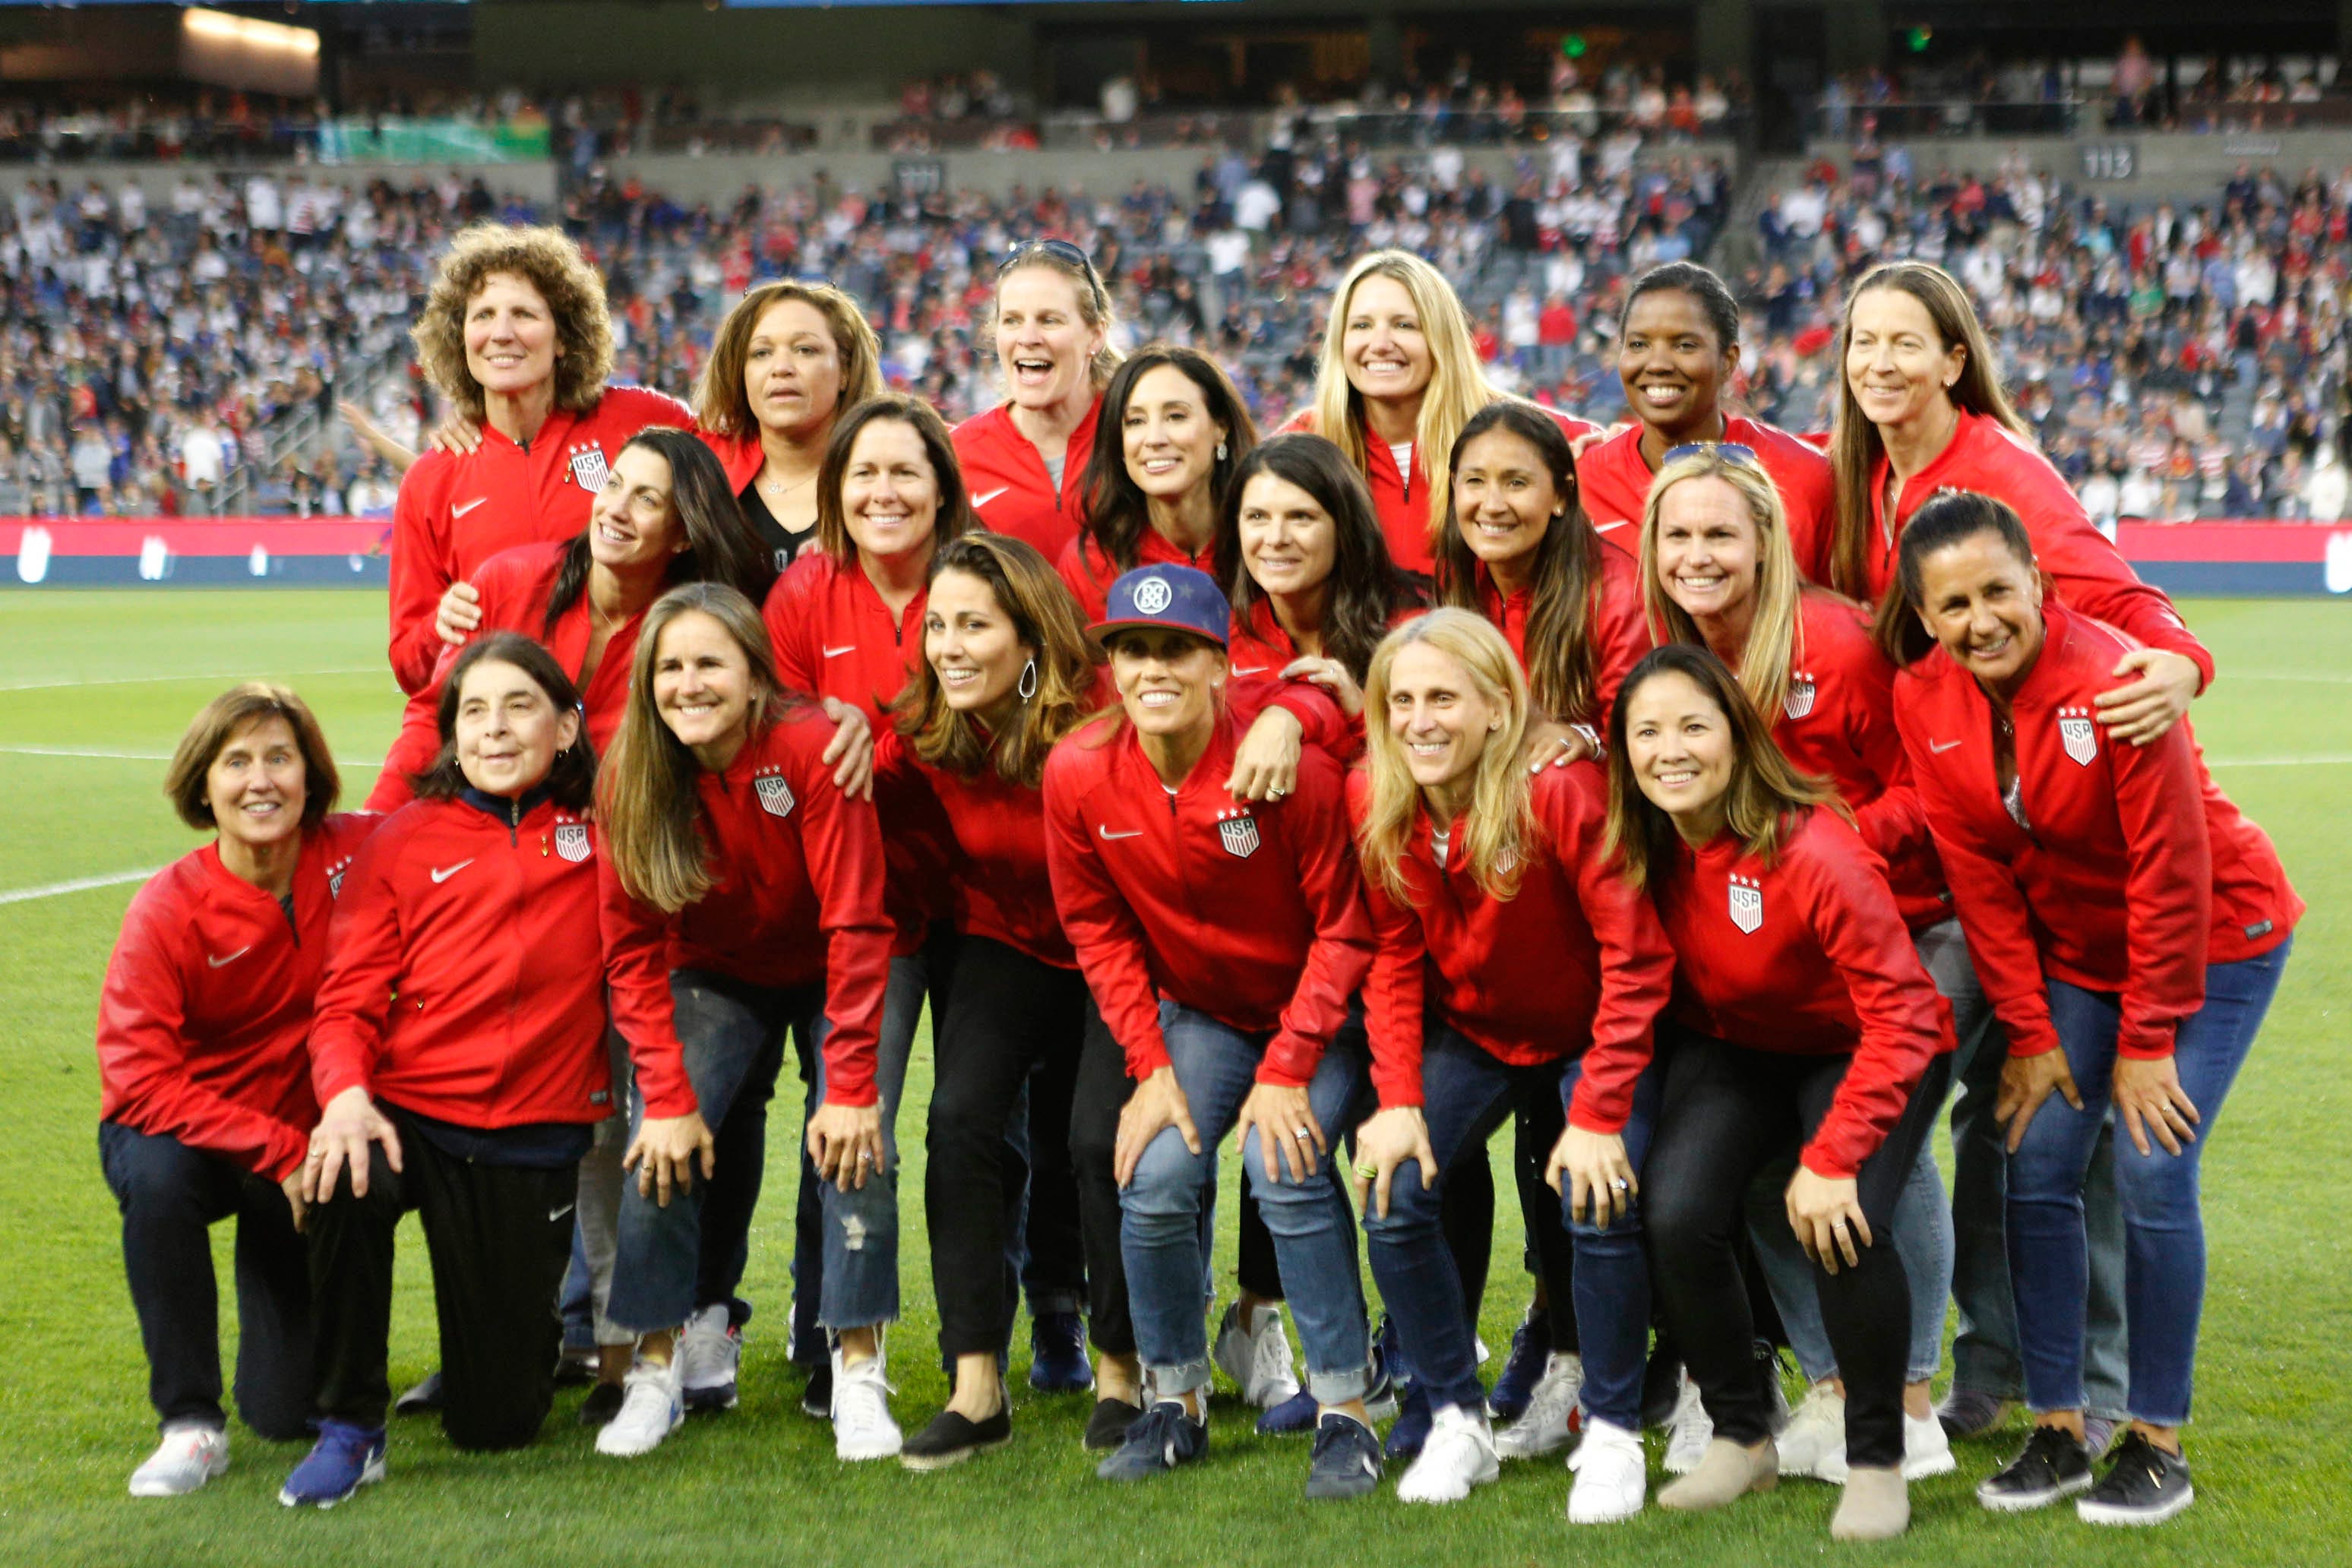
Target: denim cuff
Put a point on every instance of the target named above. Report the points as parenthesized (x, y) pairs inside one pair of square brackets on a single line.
[(1046, 1303), (1338, 1387), (1167, 1382)]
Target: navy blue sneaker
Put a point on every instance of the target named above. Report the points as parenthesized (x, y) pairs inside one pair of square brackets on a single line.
[(344, 1458), (1164, 1438), (1057, 1354), (1413, 1423), (1347, 1458), (1523, 1368), (1293, 1417)]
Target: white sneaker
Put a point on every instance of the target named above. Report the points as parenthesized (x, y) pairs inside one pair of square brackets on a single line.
[(1458, 1455), (1611, 1475), (1257, 1357), (651, 1408), (709, 1351), (1689, 1433), (187, 1458), (862, 1425), (1813, 1442), (1550, 1421), (1926, 1448)]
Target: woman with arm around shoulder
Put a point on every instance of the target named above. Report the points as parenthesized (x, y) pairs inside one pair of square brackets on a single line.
[(205, 1086), (457, 1053), (1398, 379), (1802, 1019), (1678, 359), (1007, 672), (1718, 572), (1024, 458), (1541, 969), (2130, 927), (1222, 941), (742, 897), (515, 334), (1921, 410), (1160, 475)]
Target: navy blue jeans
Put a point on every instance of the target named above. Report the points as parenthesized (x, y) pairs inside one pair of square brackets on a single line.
[(169, 1196), (1162, 1205), (2163, 1232)]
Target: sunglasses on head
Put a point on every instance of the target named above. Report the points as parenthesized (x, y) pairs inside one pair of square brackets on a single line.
[(1729, 451), (1059, 249)]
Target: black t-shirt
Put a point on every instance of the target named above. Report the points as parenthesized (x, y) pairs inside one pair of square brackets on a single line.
[(785, 544)]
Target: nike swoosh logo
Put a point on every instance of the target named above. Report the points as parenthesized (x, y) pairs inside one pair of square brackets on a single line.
[(456, 511), (443, 873), (837, 652), (1605, 527), (554, 1215), (1131, 832), (232, 958), (1251, 668), (984, 500), (1940, 747)]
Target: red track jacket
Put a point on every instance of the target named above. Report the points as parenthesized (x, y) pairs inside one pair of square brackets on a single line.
[(1613, 481), (1010, 485)]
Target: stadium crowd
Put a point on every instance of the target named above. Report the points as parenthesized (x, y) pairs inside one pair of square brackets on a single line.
[(1705, 805)]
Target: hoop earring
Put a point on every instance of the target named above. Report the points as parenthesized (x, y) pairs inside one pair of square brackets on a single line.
[(1028, 686)]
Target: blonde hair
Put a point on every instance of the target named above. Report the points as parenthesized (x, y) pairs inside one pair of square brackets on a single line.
[(721, 405), (1499, 829), (550, 262), (1094, 307), (647, 798), (1458, 388), (1855, 445), (1772, 631), (1045, 615), (187, 782)]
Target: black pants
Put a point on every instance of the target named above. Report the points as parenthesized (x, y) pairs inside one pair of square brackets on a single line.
[(171, 1195), (1006, 1014), (1729, 1112), (1100, 1093), (498, 1236), (1054, 1237)]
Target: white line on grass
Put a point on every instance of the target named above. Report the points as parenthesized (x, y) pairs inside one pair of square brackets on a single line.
[(78, 885), (160, 680)]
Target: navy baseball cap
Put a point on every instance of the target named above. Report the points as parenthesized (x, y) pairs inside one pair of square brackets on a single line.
[(1184, 598)]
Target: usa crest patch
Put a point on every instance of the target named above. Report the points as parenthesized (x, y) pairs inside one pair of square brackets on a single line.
[(1238, 829), (2080, 735), (1747, 903), (571, 841), (588, 466), (775, 795), (1799, 700)]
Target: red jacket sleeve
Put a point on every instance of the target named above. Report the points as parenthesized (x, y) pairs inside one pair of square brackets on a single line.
[(1342, 952), (1322, 723), (420, 573), (417, 743), (2094, 577), (841, 842), (1100, 925), (1895, 823), (2169, 890), (143, 1056), (1905, 1022), (1396, 986), (363, 960), (1637, 966), (636, 967), (791, 625)]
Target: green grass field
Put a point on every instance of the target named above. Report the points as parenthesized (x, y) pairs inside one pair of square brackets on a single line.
[(94, 688)]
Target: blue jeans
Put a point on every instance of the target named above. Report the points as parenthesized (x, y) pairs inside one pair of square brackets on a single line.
[(1984, 1351), (1161, 1206), (1922, 1240), (2163, 1234)]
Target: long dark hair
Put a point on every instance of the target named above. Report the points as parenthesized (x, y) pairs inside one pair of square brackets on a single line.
[(1367, 587), (1762, 805), (1947, 519), (1117, 515), (570, 780), (1562, 673), (955, 514), (721, 545)]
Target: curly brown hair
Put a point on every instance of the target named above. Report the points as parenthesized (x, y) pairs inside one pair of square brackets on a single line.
[(550, 262)]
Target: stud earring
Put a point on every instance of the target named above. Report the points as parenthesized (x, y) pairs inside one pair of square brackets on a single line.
[(1221, 451)]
